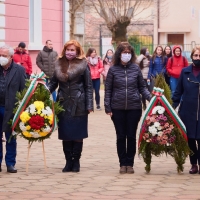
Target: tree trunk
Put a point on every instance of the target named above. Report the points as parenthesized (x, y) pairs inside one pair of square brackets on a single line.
[(72, 17), (119, 31)]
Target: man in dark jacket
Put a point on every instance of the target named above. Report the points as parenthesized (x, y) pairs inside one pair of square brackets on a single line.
[(12, 80), (45, 61)]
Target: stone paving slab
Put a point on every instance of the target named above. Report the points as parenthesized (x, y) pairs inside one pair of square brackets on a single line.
[(99, 177)]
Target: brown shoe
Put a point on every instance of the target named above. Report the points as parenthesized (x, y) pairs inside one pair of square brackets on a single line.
[(122, 170), (130, 170), (194, 169)]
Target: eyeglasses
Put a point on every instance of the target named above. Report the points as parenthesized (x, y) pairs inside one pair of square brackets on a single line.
[(196, 55)]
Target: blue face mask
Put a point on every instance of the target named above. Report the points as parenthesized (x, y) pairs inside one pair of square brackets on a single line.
[(147, 54)]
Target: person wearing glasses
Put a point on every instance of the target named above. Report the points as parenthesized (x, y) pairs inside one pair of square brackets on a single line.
[(188, 94)]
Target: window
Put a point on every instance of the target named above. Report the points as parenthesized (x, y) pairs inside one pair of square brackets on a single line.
[(35, 25)]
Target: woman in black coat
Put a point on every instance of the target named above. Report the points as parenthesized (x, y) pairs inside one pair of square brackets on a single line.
[(124, 84), (188, 94), (75, 94)]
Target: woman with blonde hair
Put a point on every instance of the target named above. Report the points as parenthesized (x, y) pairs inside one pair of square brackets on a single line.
[(75, 94)]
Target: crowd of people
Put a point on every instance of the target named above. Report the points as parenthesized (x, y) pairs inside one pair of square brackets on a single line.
[(128, 80)]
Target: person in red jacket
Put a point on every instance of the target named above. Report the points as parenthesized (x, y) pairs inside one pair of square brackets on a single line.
[(96, 67), (175, 65), (21, 57)]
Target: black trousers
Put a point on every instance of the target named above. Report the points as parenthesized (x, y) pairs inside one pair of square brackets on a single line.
[(126, 122), (195, 147)]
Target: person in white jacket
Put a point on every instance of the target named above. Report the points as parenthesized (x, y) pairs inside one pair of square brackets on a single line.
[(143, 61)]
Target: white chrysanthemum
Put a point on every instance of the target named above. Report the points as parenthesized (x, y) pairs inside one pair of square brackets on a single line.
[(47, 129), (159, 128), (161, 110), (14, 133), (154, 110), (49, 110), (156, 124), (32, 109), (159, 133), (35, 134), (22, 126), (152, 130)]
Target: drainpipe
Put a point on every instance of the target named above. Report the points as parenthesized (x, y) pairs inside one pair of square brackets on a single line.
[(63, 25), (158, 18)]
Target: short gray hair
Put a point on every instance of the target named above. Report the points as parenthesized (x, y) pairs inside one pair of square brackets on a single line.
[(9, 48)]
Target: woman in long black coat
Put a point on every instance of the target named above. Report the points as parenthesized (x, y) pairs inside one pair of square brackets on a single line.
[(75, 94), (188, 95), (124, 84)]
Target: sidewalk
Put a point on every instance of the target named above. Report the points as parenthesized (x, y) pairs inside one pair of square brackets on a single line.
[(99, 177)]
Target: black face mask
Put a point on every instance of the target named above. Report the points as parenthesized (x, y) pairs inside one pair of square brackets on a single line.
[(196, 62)]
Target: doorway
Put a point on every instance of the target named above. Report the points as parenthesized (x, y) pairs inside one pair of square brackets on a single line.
[(176, 39)]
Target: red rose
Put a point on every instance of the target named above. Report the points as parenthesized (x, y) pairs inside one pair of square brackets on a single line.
[(36, 122)]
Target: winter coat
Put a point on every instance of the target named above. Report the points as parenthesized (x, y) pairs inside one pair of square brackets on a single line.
[(15, 83), (157, 66), (145, 70), (188, 94), (123, 87), (96, 69), (106, 67), (75, 91), (46, 61), (176, 63), (23, 58)]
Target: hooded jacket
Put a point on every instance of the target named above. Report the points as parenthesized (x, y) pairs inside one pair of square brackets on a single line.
[(23, 58), (175, 64), (46, 61)]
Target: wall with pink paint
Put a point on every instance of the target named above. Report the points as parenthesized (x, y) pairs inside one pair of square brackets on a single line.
[(17, 24)]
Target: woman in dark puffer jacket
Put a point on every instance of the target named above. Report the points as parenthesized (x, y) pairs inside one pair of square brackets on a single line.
[(124, 84)]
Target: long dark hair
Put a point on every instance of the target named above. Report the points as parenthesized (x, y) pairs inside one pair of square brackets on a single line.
[(121, 47), (104, 60), (168, 55), (90, 50), (155, 53)]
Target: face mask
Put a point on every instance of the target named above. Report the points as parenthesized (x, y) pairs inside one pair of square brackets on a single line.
[(109, 58), (147, 54), (70, 55), (3, 61), (125, 57), (196, 62)]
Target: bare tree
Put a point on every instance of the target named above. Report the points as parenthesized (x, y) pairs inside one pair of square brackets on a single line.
[(74, 6), (119, 13)]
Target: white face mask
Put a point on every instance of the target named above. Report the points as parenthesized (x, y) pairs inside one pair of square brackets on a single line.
[(3, 61), (125, 57)]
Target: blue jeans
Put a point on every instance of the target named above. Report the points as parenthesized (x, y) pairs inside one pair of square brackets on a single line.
[(173, 84), (96, 87), (11, 147), (54, 92)]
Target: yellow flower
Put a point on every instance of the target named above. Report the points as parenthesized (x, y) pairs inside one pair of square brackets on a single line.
[(43, 134), (50, 118), (42, 115), (26, 134), (38, 112), (24, 117), (28, 128), (39, 105)]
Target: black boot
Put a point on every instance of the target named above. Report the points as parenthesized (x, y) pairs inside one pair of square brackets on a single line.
[(67, 149), (77, 149)]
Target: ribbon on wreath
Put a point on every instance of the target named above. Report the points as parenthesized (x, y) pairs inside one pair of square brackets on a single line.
[(35, 80), (160, 98)]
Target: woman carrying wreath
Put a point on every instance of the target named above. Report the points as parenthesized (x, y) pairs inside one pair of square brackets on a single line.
[(188, 94), (124, 84), (75, 94)]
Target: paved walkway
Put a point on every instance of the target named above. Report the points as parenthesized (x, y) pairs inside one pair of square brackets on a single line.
[(99, 178)]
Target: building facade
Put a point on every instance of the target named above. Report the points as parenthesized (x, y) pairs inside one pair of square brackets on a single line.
[(34, 22), (180, 24)]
